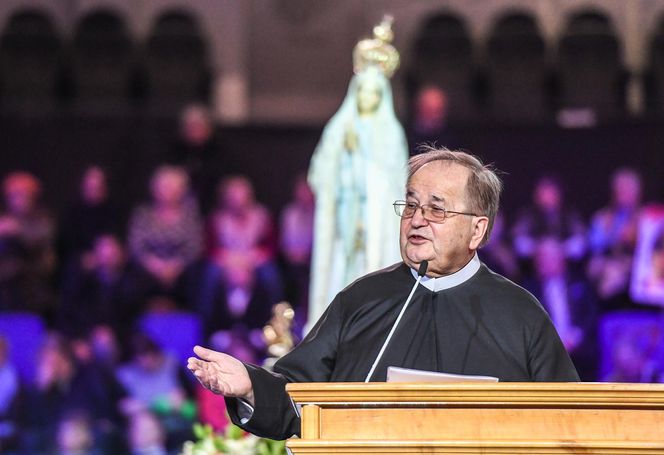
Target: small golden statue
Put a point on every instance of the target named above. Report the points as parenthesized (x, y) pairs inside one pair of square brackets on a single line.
[(277, 334)]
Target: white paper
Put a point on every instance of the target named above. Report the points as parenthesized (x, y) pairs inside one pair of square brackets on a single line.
[(398, 374)]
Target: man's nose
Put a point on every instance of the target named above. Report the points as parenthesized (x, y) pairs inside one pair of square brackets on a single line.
[(418, 218)]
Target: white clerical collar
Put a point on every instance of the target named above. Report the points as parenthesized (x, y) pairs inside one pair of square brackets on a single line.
[(449, 281)]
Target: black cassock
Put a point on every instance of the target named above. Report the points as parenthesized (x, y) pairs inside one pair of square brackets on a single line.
[(486, 325)]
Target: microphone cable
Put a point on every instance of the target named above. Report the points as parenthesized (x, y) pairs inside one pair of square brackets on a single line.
[(420, 273)]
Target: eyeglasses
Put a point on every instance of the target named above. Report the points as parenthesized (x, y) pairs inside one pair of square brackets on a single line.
[(430, 212)]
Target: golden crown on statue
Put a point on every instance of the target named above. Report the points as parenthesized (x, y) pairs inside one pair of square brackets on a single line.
[(377, 51)]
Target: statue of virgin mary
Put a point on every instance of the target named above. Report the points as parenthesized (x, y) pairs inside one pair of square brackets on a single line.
[(357, 171)]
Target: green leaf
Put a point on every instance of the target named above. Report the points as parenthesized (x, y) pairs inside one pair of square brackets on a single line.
[(199, 431), (234, 432)]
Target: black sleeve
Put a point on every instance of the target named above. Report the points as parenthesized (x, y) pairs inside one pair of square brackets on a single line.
[(274, 414), (312, 360)]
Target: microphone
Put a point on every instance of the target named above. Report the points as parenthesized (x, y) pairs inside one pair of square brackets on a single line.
[(424, 265), (420, 273)]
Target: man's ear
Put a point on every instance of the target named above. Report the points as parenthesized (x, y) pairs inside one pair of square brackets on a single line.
[(479, 227)]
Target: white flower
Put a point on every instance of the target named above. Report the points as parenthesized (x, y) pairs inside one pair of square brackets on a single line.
[(244, 446)]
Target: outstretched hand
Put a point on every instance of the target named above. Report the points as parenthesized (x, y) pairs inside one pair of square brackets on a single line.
[(221, 373)]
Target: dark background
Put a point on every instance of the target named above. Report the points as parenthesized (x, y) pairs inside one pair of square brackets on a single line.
[(57, 147)]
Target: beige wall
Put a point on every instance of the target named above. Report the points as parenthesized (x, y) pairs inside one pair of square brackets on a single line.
[(289, 61)]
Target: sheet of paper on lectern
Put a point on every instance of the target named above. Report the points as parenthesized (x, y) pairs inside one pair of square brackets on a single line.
[(398, 374)]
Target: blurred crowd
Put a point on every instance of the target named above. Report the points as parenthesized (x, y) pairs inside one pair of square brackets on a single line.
[(200, 246)]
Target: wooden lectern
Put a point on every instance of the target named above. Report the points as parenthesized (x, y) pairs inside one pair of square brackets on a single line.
[(479, 418)]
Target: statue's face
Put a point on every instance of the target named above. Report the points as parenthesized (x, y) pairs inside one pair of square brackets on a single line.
[(368, 96)]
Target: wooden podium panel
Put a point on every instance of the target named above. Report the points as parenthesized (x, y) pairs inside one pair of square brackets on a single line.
[(480, 418)]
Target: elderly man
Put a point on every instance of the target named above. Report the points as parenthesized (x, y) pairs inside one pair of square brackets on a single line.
[(462, 317)]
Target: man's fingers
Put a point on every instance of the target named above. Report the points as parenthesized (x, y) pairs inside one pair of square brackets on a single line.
[(215, 361), (194, 362), (209, 354), (201, 373), (202, 352), (203, 380)]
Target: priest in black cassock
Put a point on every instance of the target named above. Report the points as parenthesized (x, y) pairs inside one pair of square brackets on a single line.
[(463, 318)]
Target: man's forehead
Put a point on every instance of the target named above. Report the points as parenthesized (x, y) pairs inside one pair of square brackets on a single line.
[(439, 178), (426, 193), (442, 167)]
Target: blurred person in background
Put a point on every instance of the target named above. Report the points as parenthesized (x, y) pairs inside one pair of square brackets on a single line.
[(91, 215), (103, 292), (196, 149), (160, 303), (612, 239), (296, 241), (653, 283), (156, 382), (570, 302), (101, 352), (636, 356), (27, 257), (146, 435), (166, 235), (9, 400), (75, 436), (65, 386), (548, 216), (242, 238), (497, 254), (105, 347), (244, 302), (429, 123)]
